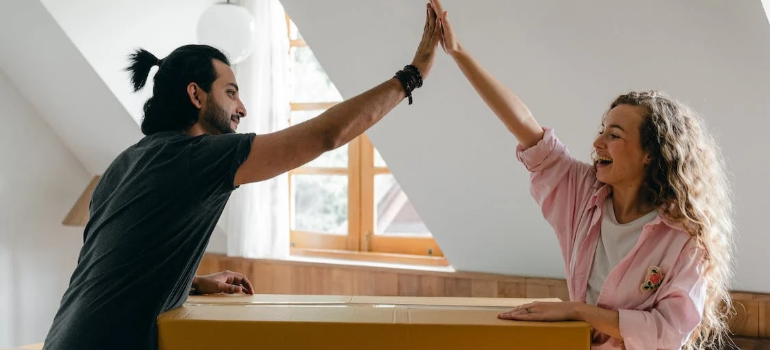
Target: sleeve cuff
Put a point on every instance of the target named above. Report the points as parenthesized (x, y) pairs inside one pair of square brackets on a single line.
[(534, 157), (242, 152), (635, 331)]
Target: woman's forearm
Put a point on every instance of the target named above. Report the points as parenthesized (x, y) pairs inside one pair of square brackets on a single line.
[(603, 320)]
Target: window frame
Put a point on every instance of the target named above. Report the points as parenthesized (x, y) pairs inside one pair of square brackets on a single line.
[(360, 242)]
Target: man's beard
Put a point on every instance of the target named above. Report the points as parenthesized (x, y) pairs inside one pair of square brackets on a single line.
[(217, 117)]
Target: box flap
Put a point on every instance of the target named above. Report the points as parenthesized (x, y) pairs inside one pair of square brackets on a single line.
[(447, 301), (276, 299), (458, 316), (282, 313), (352, 313)]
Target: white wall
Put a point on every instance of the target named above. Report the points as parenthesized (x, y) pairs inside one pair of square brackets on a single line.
[(39, 181), (568, 60)]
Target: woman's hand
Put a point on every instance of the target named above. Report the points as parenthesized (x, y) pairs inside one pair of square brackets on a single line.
[(543, 311), (449, 41), (603, 320)]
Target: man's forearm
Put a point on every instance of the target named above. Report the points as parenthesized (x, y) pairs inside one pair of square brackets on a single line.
[(347, 120)]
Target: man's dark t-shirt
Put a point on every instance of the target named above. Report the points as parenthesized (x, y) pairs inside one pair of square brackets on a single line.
[(152, 214)]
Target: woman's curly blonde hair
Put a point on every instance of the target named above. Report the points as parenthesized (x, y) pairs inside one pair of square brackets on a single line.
[(688, 180)]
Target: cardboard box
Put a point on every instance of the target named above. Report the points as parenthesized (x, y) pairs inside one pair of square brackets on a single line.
[(360, 323)]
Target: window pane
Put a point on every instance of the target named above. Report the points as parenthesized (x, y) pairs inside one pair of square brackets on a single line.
[(310, 82), (378, 161), (337, 158), (394, 215), (320, 203)]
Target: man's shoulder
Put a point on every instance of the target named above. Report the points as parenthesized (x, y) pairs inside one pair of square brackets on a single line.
[(151, 148)]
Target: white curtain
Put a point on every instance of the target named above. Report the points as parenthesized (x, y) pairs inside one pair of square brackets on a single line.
[(257, 215)]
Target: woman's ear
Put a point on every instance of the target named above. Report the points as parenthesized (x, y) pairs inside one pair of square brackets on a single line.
[(193, 91)]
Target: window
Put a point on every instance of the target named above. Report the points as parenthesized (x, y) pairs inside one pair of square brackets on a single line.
[(346, 203)]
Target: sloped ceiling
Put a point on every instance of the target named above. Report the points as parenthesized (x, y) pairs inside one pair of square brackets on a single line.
[(68, 58), (65, 89), (566, 59), (105, 32)]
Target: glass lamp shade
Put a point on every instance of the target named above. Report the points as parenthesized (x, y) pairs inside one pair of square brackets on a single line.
[(229, 28)]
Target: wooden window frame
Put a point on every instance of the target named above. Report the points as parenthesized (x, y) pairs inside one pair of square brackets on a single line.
[(360, 242)]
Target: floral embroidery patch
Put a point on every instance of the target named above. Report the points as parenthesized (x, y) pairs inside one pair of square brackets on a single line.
[(654, 279)]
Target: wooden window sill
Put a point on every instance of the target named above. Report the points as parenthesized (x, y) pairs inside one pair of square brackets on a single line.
[(346, 257)]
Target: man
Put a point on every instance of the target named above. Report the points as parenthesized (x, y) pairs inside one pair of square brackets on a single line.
[(156, 205)]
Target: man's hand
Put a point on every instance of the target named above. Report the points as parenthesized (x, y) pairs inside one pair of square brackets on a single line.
[(426, 51), (223, 282)]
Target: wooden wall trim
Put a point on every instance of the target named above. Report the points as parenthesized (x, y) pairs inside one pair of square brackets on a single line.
[(751, 318)]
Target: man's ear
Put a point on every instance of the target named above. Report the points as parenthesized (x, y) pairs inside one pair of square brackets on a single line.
[(194, 92)]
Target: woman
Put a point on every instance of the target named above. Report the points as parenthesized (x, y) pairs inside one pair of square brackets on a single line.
[(645, 230)]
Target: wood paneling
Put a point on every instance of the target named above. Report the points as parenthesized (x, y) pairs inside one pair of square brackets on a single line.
[(536, 287), (751, 316), (764, 315), (745, 319), (461, 287), (483, 288), (512, 289), (408, 284), (745, 343)]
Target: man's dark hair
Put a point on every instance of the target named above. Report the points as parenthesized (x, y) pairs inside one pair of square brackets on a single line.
[(170, 108)]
